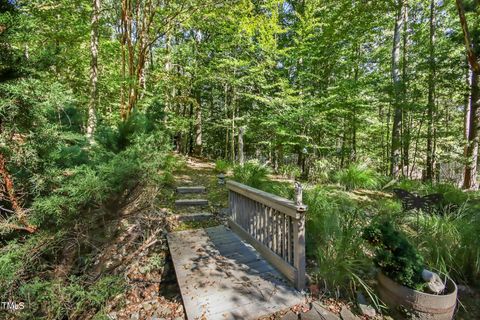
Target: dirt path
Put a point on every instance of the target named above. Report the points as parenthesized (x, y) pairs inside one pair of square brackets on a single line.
[(139, 253)]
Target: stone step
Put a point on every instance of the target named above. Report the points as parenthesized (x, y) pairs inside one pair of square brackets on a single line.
[(191, 202), (195, 189), (197, 216)]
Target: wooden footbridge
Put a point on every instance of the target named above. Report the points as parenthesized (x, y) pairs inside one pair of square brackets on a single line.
[(250, 269)]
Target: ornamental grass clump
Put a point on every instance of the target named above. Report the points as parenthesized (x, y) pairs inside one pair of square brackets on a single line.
[(252, 173), (396, 257), (356, 177)]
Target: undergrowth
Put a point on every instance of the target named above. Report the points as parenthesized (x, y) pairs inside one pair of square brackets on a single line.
[(71, 191)]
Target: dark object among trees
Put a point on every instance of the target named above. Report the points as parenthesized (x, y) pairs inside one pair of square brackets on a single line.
[(411, 201)]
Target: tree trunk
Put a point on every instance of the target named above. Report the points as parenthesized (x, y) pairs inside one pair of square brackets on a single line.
[(136, 20), (241, 156), (93, 103), (396, 144), (430, 165), (198, 126), (343, 143), (232, 133), (471, 149), (225, 105), (123, 43), (10, 190), (473, 112), (353, 123), (405, 135)]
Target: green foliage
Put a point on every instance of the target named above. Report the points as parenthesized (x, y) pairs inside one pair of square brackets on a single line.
[(56, 299), (67, 184), (395, 255), (290, 171), (309, 80), (388, 207), (410, 185), (222, 166), (282, 189), (449, 242), (321, 171), (10, 263), (453, 197), (334, 229), (357, 176), (252, 174), (155, 262)]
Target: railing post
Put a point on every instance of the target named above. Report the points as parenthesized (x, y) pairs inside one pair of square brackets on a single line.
[(299, 239), (299, 249)]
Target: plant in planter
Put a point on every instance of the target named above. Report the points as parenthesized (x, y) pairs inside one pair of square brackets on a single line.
[(402, 279)]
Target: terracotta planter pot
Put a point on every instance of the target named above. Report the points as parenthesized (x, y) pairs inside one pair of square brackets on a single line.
[(423, 306)]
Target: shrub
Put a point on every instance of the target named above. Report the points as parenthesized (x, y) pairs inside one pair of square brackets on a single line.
[(252, 174), (410, 185), (282, 189), (290, 171), (356, 176), (321, 171), (395, 255), (453, 197), (222, 166), (58, 300)]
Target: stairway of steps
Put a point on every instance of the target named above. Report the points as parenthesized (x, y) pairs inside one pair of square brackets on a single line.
[(190, 201)]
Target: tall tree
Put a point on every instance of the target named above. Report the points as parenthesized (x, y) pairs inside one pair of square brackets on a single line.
[(93, 103), (430, 163), (396, 144), (472, 46), (136, 26)]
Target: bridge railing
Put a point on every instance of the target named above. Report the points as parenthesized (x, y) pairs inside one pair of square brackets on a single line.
[(273, 225)]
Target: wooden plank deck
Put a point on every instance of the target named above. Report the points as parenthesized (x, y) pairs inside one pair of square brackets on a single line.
[(222, 277)]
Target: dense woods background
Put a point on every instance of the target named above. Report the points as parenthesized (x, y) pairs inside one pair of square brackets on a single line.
[(387, 83), (95, 94)]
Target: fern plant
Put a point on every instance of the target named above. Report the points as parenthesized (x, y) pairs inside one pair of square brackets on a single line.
[(252, 174), (357, 176), (222, 166)]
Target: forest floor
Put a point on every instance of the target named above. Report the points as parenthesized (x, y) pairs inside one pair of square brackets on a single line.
[(140, 254)]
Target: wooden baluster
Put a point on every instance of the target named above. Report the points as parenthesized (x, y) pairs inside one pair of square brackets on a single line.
[(249, 215), (282, 231), (230, 205), (277, 232), (254, 220), (289, 239), (233, 214), (245, 213), (264, 225), (270, 229), (274, 230), (257, 216)]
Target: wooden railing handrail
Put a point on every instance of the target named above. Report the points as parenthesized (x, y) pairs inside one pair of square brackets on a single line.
[(281, 204), (273, 225)]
